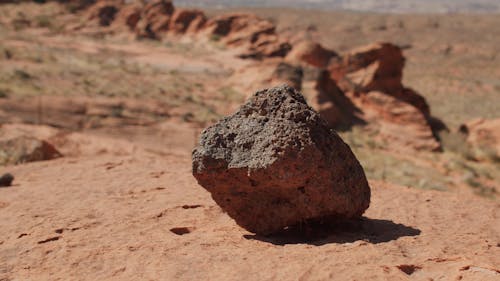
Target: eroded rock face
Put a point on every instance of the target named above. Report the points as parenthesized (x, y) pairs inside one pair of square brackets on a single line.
[(155, 19), (365, 86), (275, 163)]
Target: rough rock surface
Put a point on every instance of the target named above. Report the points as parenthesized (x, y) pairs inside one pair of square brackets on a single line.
[(26, 149), (275, 163)]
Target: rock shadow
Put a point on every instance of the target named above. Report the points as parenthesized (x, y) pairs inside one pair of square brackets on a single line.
[(320, 233)]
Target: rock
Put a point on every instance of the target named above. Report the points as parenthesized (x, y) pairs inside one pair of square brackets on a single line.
[(483, 135), (155, 19), (376, 67), (311, 53), (275, 163), (185, 19), (400, 125), (288, 74), (365, 87), (103, 12), (333, 105), (255, 36), (128, 16), (6, 180), (26, 149)]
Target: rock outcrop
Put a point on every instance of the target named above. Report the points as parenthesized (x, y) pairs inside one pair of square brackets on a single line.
[(154, 19), (26, 149), (255, 38), (187, 21), (275, 163), (369, 80)]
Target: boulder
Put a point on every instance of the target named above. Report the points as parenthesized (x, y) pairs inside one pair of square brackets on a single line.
[(275, 163), (311, 53), (26, 149)]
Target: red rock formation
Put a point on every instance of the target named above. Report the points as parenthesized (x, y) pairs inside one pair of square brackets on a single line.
[(257, 37), (370, 79), (186, 20), (155, 19), (376, 67), (311, 53), (103, 13), (128, 16)]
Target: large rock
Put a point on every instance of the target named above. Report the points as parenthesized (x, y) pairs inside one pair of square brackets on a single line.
[(26, 149), (275, 163)]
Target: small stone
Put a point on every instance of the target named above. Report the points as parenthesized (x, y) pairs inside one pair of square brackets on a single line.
[(6, 180), (275, 163)]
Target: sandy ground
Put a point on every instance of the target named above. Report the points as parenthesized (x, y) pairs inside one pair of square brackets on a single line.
[(112, 214)]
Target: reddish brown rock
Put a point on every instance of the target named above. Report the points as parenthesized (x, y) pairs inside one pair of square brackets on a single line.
[(333, 105), (26, 149), (377, 67), (187, 19), (257, 37), (155, 19), (399, 124), (311, 53), (128, 16), (365, 87), (103, 13), (275, 163)]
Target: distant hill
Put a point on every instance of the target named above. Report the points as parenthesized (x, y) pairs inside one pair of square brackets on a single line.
[(382, 6)]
